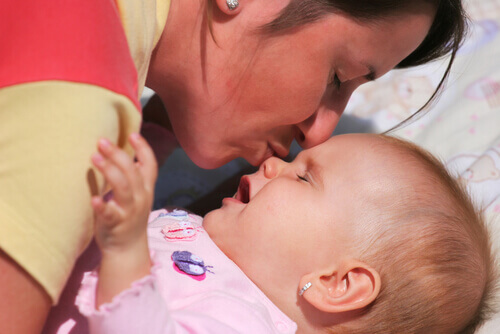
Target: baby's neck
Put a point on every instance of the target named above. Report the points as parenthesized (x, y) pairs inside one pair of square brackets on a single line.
[(285, 296), (308, 318)]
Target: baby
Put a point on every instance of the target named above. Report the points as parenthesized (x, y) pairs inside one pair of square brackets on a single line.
[(361, 234)]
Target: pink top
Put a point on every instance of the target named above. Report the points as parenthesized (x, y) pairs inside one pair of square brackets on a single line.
[(193, 288)]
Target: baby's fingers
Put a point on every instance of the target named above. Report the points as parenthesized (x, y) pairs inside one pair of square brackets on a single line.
[(115, 179), (146, 160), (124, 162), (106, 212)]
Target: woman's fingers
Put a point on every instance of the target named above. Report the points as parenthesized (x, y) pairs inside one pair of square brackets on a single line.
[(146, 160)]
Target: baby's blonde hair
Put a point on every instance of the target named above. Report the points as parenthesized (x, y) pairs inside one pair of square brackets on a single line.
[(433, 252)]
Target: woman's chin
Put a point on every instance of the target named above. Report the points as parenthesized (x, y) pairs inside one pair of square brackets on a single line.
[(208, 161)]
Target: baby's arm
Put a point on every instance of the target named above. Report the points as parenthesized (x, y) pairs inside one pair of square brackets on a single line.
[(121, 221), (126, 270)]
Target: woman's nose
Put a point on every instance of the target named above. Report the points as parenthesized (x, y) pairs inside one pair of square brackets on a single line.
[(317, 128), (272, 167)]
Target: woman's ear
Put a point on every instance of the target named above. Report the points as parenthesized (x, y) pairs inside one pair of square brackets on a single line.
[(229, 7), (349, 288)]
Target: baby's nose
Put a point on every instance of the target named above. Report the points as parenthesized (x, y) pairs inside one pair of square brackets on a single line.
[(272, 167)]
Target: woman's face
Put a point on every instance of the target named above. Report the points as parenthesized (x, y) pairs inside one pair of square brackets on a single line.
[(250, 95)]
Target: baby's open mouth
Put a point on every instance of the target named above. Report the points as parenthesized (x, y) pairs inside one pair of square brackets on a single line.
[(243, 193)]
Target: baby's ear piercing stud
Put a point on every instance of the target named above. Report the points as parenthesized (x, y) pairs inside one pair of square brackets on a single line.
[(304, 288)]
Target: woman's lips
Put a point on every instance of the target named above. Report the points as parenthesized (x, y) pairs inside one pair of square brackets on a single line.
[(267, 154), (279, 151), (271, 151)]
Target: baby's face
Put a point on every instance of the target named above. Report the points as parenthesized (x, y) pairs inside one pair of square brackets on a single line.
[(289, 218)]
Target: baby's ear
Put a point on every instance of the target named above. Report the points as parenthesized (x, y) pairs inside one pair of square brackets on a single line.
[(230, 7), (348, 287)]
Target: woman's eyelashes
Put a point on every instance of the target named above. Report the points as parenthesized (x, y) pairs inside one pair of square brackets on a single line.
[(335, 81)]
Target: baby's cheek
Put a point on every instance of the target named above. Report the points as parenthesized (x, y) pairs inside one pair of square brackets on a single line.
[(272, 208)]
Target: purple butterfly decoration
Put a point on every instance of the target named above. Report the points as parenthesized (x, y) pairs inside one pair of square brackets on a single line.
[(190, 264)]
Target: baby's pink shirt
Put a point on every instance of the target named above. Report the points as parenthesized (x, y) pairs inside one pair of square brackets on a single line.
[(196, 290)]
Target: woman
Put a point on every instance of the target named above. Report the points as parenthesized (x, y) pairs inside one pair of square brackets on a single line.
[(238, 79)]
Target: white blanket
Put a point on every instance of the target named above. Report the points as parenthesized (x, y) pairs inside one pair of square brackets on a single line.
[(463, 127)]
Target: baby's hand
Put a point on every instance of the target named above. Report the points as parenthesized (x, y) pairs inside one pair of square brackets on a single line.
[(121, 216)]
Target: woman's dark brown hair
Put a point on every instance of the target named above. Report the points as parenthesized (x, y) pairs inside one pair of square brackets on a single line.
[(445, 35)]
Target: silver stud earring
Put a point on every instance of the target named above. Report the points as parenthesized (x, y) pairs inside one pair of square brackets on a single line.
[(232, 4), (304, 288)]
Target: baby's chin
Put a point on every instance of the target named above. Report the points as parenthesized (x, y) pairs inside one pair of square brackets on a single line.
[(214, 228), (210, 223)]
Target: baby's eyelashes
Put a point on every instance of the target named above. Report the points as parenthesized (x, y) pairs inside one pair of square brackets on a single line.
[(302, 178)]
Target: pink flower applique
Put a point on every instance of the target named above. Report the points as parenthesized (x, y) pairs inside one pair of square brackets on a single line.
[(181, 229)]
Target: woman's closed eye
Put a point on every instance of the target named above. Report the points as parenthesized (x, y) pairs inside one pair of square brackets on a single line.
[(335, 81)]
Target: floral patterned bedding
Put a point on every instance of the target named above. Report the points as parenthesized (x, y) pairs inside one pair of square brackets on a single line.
[(463, 127)]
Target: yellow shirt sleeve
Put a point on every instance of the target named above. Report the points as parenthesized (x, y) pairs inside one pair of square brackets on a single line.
[(48, 132)]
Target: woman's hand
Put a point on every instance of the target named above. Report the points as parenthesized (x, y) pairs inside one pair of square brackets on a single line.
[(121, 215)]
